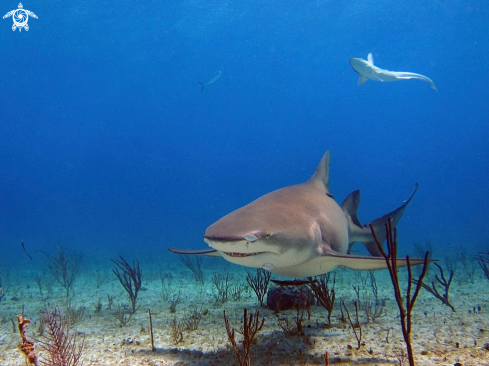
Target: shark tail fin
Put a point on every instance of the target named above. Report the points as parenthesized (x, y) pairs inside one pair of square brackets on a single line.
[(321, 175), (203, 86), (364, 234)]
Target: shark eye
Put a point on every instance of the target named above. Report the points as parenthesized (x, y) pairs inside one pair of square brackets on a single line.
[(268, 236), (251, 237)]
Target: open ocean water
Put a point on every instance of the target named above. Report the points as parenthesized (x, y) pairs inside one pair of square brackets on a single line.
[(129, 127)]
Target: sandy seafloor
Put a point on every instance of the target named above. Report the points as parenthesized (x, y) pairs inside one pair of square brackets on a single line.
[(436, 329)]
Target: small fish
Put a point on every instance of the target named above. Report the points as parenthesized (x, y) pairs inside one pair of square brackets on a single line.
[(212, 79), (25, 251), (293, 282)]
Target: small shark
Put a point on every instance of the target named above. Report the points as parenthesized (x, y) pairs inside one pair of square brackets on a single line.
[(367, 70), (211, 80), (299, 231)]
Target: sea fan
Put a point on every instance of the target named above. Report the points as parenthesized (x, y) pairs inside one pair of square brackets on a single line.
[(59, 344)]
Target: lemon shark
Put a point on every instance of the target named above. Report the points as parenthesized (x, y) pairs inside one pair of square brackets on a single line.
[(368, 70), (299, 231)]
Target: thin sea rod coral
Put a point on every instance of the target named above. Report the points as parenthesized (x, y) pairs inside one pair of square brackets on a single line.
[(251, 326), (130, 278), (323, 292), (259, 283), (446, 284), (391, 261), (64, 266), (195, 266), (483, 260)]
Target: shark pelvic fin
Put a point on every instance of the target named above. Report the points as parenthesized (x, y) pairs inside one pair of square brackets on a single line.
[(362, 80)]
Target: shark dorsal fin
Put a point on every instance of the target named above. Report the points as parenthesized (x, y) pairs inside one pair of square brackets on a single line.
[(370, 59), (321, 175), (350, 207)]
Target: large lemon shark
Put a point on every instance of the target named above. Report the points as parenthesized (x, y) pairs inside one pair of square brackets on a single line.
[(368, 70), (300, 231)]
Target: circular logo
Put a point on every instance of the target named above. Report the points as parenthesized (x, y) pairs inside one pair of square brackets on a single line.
[(20, 18)]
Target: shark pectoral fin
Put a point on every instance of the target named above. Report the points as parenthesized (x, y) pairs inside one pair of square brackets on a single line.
[(362, 80), (360, 262), (371, 263), (208, 252)]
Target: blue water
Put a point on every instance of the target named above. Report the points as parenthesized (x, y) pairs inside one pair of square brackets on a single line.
[(108, 144)]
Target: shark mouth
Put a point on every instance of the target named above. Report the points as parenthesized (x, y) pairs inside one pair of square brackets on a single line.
[(240, 255)]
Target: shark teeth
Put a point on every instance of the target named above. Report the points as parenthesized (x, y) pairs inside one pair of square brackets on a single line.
[(233, 254)]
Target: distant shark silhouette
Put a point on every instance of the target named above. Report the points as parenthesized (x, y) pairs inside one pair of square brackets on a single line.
[(299, 231), (367, 70), (211, 80)]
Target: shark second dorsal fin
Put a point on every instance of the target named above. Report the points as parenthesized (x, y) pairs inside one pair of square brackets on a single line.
[(370, 59), (321, 175), (350, 207)]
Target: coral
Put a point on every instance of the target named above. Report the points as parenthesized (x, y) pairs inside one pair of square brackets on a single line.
[(59, 344), (251, 326), (64, 266), (259, 283), (483, 260), (324, 296), (130, 278), (194, 266), (433, 290), (26, 347), (355, 325), (391, 262), (223, 287)]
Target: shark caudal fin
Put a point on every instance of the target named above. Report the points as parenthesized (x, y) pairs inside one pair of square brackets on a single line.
[(357, 232), (401, 75), (203, 86)]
